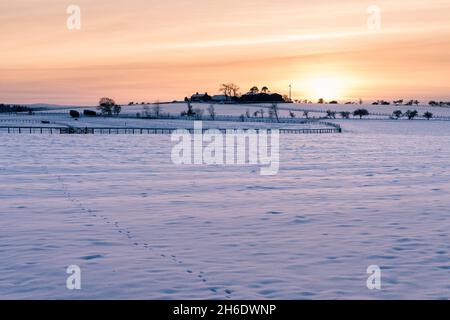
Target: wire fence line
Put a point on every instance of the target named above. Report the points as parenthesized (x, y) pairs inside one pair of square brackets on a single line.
[(138, 115), (224, 118), (65, 130)]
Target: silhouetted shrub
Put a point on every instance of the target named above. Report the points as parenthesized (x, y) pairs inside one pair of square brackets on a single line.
[(345, 114), (428, 115), (74, 114), (397, 114), (89, 113)]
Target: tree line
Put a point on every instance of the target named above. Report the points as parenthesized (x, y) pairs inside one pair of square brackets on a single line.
[(8, 108)]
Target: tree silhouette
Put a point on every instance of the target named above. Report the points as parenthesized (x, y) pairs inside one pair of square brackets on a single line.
[(274, 110), (116, 109), (156, 109), (234, 89), (411, 114), (190, 112), (146, 111), (261, 112), (360, 113), (106, 105), (428, 115), (397, 114), (254, 90), (229, 89), (331, 114), (198, 113), (212, 111), (345, 114)]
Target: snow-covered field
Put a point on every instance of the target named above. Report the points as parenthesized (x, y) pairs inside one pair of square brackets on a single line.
[(142, 227), (64, 120), (315, 110)]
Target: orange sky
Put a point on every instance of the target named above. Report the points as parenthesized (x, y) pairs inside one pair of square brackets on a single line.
[(145, 50)]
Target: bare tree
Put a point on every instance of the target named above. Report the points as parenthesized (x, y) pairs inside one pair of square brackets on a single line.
[(212, 111), (146, 111), (157, 109), (274, 109), (234, 89), (229, 89), (225, 89), (198, 114)]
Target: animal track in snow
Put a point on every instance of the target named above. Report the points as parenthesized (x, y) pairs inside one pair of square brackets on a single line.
[(122, 231)]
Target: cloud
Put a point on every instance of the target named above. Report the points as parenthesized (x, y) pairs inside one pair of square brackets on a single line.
[(282, 38)]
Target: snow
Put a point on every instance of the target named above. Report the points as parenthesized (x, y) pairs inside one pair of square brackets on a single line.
[(316, 110), (141, 227), (64, 120)]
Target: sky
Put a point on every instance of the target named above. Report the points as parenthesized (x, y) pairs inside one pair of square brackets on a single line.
[(147, 50)]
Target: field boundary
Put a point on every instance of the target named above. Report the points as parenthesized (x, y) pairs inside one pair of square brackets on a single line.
[(64, 130)]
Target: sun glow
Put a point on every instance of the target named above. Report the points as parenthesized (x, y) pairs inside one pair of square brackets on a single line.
[(327, 88)]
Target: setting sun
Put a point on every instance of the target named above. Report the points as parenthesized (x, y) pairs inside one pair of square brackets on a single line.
[(327, 88)]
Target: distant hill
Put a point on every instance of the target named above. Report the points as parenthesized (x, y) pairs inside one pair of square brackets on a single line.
[(46, 106)]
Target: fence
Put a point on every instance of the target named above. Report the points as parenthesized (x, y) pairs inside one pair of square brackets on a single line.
[(61, 130)]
